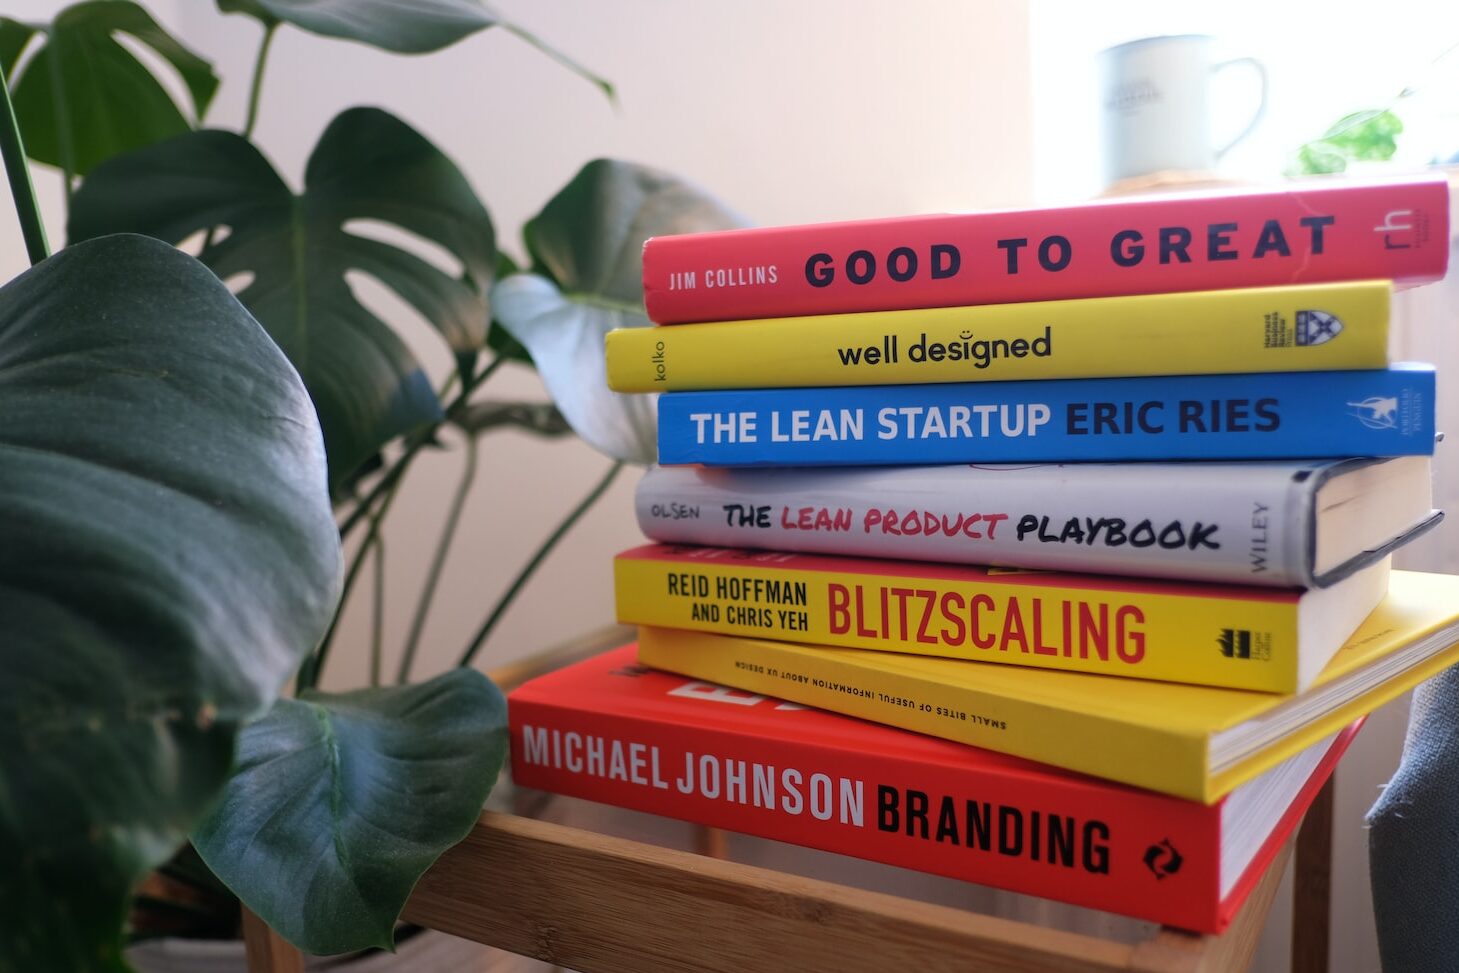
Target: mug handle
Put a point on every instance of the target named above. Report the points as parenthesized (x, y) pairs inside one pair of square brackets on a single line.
[(1261, 104)]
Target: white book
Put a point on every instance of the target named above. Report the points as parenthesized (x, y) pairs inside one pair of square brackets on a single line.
[(1295, 524)]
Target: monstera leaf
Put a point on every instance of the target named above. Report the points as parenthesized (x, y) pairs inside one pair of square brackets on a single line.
[(296, 251), (402, 26), (167, 554), (84, 97), (587, 248), (341, 802)]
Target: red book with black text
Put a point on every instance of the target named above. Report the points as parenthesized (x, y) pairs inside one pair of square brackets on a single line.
[(1303, 232), (610, 730)]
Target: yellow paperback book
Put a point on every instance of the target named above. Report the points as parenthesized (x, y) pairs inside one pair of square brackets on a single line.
[(1191, 741), (1271, 329), (1237, 636)]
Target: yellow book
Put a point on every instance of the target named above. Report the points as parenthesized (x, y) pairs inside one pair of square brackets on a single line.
[(1270, 329), (1191, 741), (1236, 636)]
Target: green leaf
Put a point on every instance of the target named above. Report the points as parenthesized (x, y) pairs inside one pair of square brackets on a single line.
[(1319, 158), (1366, 135), (84, 98), (341, 802), (14, 36), (589, 237), (402, 26), (539, 418), (168, 556), (587, 244), (368, 165), (1363, 136), (497, 337)]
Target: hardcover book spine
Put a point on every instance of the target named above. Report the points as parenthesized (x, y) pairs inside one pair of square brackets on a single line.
[(1293, 415), (1147, 630), (1115, 750), (1275, 329), (1069, 840), (1306, 234), (1231, 523)]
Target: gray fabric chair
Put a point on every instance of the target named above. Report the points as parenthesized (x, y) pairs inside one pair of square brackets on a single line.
[(1413, 839)]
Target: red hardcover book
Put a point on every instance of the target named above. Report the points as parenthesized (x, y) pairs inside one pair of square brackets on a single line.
[(1305, 232), (612, 731)]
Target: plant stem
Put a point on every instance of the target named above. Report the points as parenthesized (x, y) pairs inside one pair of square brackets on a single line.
[(377, 610), (255, 89), (22, 191), (312, 669), (530, 568), (392, 476), (438, 563)]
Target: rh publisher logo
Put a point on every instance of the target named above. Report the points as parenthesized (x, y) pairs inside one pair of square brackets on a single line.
[(1397, 229)]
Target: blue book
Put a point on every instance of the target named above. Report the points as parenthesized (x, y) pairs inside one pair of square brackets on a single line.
[(1279, 415)]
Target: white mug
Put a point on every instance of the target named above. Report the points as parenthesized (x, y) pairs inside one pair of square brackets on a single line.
[(1156, 97)]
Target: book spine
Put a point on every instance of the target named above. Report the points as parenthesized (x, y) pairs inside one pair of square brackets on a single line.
[(1275, 329), (1231, 523), (1309, 233), (1166, 633), (1160, 760), (1291, 415), (1072, 840)]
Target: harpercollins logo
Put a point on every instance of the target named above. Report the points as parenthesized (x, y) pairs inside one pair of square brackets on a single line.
[(1243, 643)]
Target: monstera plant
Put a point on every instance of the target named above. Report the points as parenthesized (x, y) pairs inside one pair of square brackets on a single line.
[(168, 558)]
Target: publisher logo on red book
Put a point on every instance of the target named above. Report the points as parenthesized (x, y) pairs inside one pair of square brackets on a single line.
[(1162, 859), (1399, 229)]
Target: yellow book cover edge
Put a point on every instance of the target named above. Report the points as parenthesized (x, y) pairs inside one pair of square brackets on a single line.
[(1206, 332), (1161, 761), (1138, 732), (1113, 629)]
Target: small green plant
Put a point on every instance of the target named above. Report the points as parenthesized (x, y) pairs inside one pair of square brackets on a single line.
[(162, 603), (1363, 136)]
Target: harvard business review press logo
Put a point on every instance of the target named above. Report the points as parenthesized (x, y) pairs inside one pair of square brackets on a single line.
[(1316, 327)]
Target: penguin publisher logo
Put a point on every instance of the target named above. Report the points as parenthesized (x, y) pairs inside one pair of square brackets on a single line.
[(1162, 859), (1377, 412)]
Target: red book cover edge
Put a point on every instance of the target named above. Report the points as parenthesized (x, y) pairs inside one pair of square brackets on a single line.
[(562, 694), (1307, 232)]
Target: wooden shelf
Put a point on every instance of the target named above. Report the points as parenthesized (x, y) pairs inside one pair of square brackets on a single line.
[(607, 905), (602, 904)]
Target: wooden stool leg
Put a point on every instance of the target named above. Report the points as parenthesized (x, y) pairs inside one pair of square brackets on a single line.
[(1312, 887), (711, 842), (266, 950)]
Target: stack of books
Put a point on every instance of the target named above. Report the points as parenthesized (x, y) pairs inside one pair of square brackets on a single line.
[(1111, 657)]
